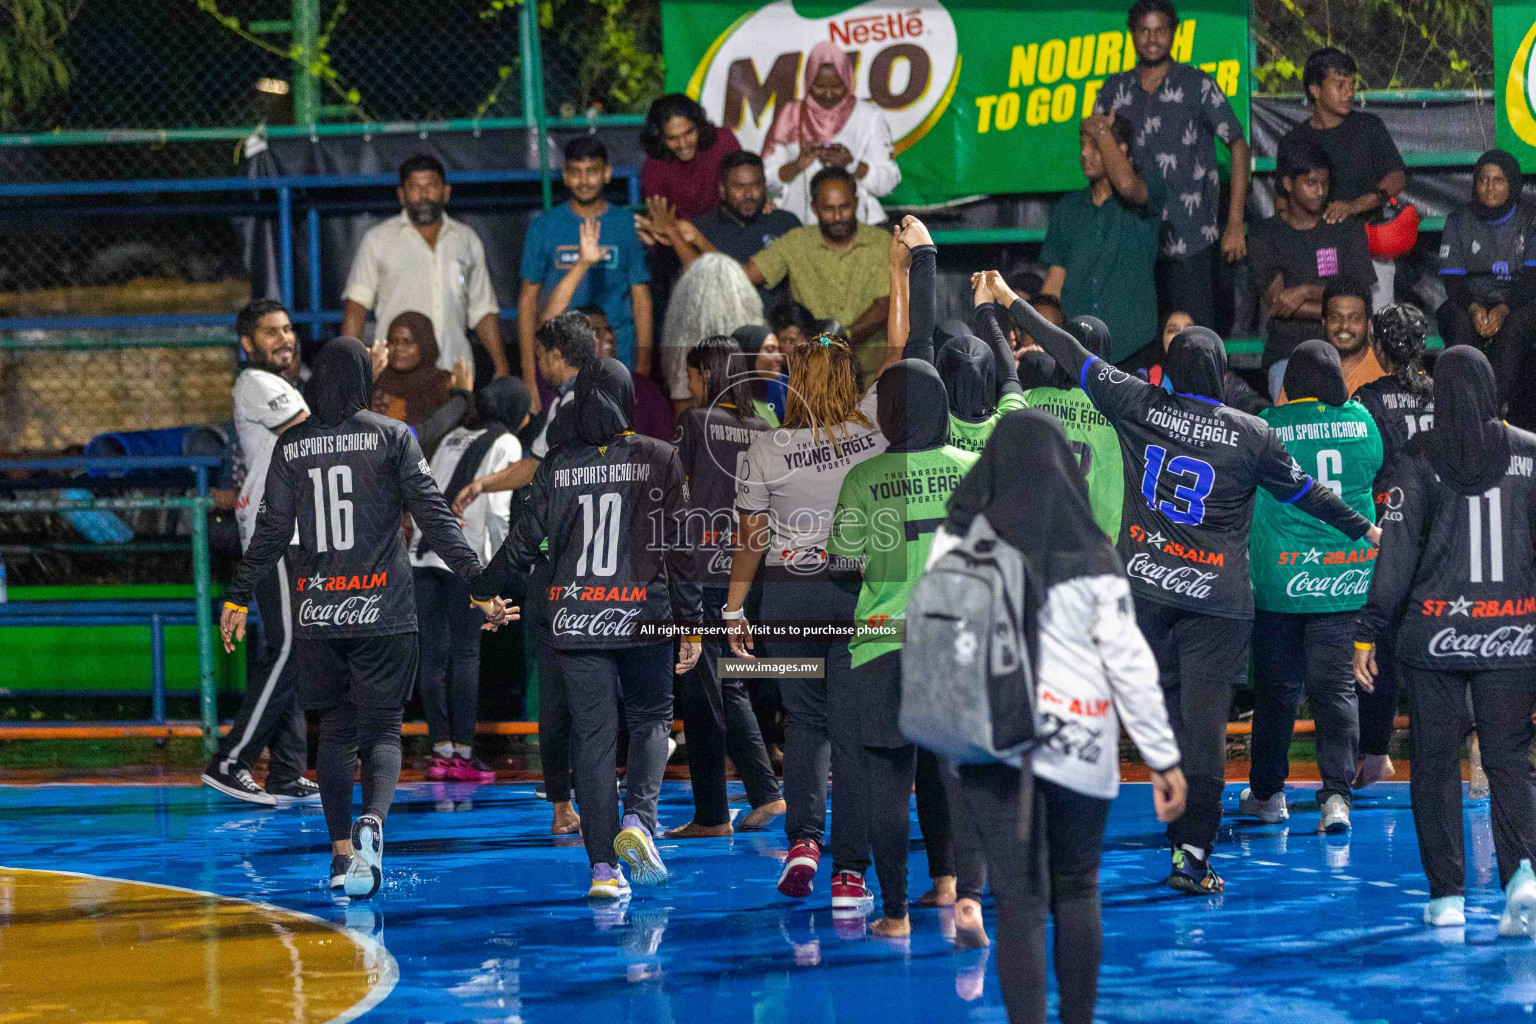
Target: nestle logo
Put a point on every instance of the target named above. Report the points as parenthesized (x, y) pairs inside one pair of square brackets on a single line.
[(876, 28)]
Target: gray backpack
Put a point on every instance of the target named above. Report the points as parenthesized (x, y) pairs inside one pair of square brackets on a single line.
[(967, 689)]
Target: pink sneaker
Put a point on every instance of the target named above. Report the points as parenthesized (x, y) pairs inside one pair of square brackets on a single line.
[(800, 869), (438, 767), (470, 770)]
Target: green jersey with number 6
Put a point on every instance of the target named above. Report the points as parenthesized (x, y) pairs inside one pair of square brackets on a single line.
[(1298, 564), (1096, 445)]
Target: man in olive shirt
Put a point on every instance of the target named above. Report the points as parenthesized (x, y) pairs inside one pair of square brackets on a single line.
[(1101, 243), (839, 268)]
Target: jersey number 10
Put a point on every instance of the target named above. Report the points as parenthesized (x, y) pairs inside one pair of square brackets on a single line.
[(340, 478), (599, 540)]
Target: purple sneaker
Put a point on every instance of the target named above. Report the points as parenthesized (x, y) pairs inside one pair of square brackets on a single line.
[(633, 844), (607, 883)]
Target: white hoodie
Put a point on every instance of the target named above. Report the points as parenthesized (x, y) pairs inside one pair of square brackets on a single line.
[(1094, 670)]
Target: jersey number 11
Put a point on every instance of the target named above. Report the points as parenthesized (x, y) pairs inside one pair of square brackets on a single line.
[(1495, 536)]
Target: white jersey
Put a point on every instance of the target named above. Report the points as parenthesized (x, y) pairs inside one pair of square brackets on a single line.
[(1093, 671), (484, 522), (264, 404), (795, 477), (540, 446)]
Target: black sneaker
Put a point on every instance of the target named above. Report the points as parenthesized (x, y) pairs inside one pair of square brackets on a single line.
[(1193, 875), (300, 790), (340, 862), (236, 782)]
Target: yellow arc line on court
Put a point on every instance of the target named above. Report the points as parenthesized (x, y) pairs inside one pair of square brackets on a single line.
[(86, 947)]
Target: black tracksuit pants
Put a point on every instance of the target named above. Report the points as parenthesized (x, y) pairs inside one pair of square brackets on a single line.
[(1502, 704), (270, 717)]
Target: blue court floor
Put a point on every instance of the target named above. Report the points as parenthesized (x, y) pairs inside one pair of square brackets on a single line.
[(485, 914)]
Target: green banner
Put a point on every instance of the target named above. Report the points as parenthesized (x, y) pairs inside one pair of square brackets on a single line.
[(1514, 31), (982, 97)]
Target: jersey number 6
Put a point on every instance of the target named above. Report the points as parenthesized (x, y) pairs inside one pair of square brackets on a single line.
[(1191, 493)]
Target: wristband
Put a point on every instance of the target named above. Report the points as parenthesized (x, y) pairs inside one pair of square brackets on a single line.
[(728, 615), (242, 609), (1360, 645), (693, 639)]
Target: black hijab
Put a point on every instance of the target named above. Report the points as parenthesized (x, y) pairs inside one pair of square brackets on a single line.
[(1511, 168), (504, 401), (1091, 333), (910, 407), (750, 338), (966, 367), (604, 406), (342, 384), (1315, 372), (1196, 363), (1029, 486), (1468, 446), (1036, 369)]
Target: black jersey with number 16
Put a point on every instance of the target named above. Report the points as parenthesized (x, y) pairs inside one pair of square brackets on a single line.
[(346, 484), (1191, 468)]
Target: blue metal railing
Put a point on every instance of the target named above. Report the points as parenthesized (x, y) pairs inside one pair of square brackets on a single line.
[(154, 614), (287, 191)]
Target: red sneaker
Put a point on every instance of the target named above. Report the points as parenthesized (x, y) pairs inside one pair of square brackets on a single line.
[(800, 869), (438, 767), (470, 770), (849, 891)]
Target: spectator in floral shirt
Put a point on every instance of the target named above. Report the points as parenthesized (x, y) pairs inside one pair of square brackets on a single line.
[(1176, 111)]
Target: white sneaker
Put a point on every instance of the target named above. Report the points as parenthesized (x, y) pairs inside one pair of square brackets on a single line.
[(367, 868), (1520, 903), (1446, 912), (1270, 812), (1335, 816)]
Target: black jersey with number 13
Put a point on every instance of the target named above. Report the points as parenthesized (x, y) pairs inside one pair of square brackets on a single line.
[(1191, 468)]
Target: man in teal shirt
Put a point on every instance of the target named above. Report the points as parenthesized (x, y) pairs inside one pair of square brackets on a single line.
[(1101, 243), (1308, 583)]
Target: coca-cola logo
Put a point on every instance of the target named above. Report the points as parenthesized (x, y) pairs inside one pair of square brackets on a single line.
[(1504, 642), (607, 622), (720, 561), (351, 611), (1182, 579), (1349, 583)]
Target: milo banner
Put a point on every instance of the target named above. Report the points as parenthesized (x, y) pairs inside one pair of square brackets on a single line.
[(981, 97), (1514, 78)]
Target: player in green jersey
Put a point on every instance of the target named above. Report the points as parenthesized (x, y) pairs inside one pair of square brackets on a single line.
[(1308, 583), (887, 512), (1092, 438)]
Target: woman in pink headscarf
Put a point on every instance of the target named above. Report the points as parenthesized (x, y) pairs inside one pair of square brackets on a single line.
[(830, 127)]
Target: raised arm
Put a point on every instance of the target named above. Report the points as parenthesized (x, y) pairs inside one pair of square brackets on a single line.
[(991, 332), (588, 254), (1058, 344), (915, 238)]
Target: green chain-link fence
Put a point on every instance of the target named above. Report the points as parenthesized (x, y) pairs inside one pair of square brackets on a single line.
[(1399, 44)]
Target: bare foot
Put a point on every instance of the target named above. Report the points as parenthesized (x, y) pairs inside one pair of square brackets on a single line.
[(941, 895), (566, 820), (1373, 768), (892, 927), (759, 817), (696, 831), (970, 930)]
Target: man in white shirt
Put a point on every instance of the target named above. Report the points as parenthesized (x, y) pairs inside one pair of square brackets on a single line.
[(265, 405), (426, 261)]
